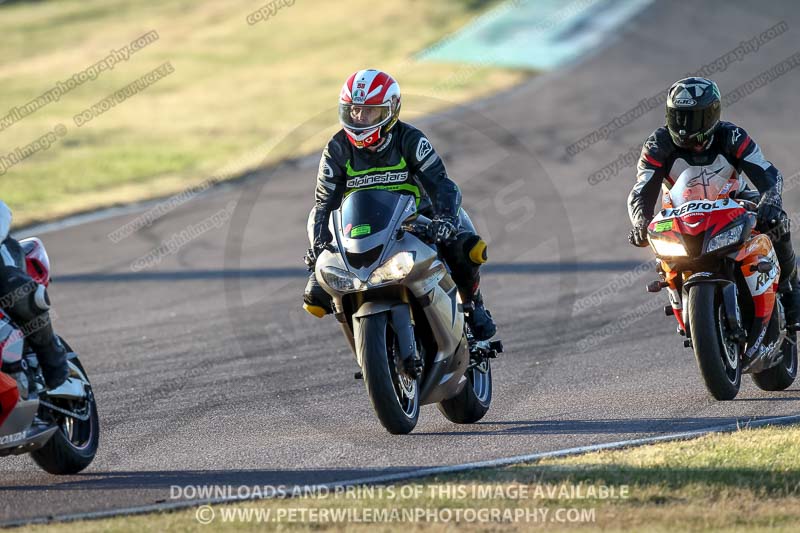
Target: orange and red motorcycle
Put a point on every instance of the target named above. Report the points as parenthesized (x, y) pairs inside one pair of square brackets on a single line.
[(722, 278)]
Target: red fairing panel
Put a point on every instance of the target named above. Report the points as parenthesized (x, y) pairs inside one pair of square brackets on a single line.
[(711, 222), (9, 395)]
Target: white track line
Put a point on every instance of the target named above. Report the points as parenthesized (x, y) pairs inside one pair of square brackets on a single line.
[(418, 473)]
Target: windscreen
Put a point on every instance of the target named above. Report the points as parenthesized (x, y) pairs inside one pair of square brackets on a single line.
[(367, 212), (698, 184)]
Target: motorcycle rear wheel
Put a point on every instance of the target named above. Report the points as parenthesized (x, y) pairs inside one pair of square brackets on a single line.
[(717, 356), (394, 397), (73, 446), (472, 403), (781, 376)]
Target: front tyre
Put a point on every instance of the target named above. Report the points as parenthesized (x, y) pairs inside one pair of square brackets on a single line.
[(717, 355), (74, 445), (782, 375), (394, 397), (472, 403)]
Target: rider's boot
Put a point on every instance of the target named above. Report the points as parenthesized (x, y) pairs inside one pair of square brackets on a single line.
[(51, 353), (789, 287), (479, 318), (790, 298)]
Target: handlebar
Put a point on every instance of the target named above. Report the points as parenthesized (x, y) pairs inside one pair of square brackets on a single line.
[(747, 204), (420, 227)]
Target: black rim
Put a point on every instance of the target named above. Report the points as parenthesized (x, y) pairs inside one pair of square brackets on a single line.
[(790, 360), (406, 390), (729, 348), (78, 433), (480, 381)]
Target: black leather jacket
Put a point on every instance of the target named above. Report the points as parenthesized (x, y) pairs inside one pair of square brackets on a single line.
[(405, 162), (731, 151)]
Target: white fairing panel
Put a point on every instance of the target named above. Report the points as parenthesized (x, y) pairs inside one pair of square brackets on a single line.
[(12, 342), (699, 182), (5, 221)]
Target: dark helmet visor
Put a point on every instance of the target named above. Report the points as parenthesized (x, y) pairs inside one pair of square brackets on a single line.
[(686, 124)]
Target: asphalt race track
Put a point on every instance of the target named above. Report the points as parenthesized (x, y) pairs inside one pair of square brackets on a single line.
[(207, 371)]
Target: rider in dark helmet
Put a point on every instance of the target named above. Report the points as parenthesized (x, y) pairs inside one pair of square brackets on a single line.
[(375, 150), (694, 136), (26, 303)]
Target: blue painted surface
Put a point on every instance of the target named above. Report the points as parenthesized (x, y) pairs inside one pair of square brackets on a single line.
[(535, 34)]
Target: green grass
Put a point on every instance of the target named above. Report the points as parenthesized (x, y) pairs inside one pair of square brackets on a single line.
[(744, 481), (237, 92)]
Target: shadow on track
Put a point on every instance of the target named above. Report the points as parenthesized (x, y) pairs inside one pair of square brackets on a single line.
[(299, 272), (624, 427), (147, 480)]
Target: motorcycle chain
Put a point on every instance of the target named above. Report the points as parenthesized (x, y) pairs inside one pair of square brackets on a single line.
[(71, 414)]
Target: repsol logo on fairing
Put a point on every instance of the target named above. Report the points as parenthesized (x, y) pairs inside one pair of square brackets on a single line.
[(688, 208), (378, 179)]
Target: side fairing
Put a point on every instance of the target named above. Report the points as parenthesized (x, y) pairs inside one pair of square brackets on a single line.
[(11, 342), (762, 285)]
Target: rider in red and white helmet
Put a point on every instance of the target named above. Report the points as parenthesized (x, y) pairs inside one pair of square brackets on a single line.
[(374, 149), (369, 106)]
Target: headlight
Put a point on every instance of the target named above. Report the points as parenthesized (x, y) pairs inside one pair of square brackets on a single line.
[(726, 238), (393, 269), (341, 280), (666, 248)]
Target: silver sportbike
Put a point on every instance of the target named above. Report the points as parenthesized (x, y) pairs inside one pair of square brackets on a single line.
[(402, 313)]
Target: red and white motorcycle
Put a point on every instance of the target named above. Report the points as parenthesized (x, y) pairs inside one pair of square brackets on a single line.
[(60, 427)]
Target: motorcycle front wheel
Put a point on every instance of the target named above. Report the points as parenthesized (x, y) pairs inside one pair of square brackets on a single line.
[(717, 354), (394, 396)]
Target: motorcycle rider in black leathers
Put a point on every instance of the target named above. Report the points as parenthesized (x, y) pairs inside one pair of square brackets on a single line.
[(694, 136), (26, 303), (375, 150)]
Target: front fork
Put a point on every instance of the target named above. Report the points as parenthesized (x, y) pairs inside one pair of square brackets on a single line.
[(672, 281), (678, 283), (410, 362)]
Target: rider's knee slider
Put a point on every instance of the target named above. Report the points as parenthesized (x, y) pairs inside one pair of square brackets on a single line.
[(315, 310), (314, 301), (476, 249), (41, 299)]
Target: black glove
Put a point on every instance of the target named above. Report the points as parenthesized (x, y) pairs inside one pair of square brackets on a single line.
[(312, 254), (443, 228), (310, 259), (769, 210), (638, 235)]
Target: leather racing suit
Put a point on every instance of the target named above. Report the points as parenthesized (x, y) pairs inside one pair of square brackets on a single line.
[(404, 162), (730, 152), (26, 303)]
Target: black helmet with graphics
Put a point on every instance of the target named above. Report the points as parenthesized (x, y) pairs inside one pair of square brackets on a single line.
[(693, 111)]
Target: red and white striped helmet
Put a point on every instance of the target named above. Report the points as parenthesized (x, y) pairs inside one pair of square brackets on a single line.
[(369, 105)]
